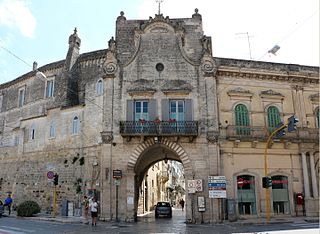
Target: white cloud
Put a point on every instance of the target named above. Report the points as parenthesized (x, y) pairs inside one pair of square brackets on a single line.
[(15, 13)]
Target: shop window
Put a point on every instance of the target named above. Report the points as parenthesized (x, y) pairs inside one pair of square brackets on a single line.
[(246, 195), (280, 194)]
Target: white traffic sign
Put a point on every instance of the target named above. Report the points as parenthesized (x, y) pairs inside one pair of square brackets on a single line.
[(217, 186), (191, 186)]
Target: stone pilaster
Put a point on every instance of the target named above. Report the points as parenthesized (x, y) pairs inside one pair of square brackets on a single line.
[(305, 175)]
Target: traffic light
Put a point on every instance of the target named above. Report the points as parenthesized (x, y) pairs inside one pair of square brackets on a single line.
[(55, 179), (266, 182), (269, 182), (292, 123), (280, 133)]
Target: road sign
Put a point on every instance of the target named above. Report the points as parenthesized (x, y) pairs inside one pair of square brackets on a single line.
[(50, 174), (117, 174), (240, 182), (195, 186), (217, 186)]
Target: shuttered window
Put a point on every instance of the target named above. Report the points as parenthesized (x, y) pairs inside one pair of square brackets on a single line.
[(273, 117), (242, 119), (179, 110), (141, 110)]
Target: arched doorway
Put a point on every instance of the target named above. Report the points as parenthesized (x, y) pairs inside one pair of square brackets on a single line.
[(280, 194), (246, 195), (149, 153)]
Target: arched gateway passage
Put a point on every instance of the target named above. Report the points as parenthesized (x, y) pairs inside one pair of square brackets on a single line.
[(148, 153)]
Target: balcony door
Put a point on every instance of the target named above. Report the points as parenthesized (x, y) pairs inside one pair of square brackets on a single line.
[(141, 110), (177, 110)]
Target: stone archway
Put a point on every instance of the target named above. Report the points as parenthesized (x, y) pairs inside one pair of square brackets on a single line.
[(181, 153), (145, 155)]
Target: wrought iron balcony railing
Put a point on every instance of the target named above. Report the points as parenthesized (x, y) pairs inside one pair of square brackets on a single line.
[(159, 128), (262, 133)]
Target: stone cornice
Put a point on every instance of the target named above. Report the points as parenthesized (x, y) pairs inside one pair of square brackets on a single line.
[(240, 73)]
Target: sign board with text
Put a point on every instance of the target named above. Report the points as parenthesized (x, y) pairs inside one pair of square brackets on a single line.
[(195, 186), (217, 186)]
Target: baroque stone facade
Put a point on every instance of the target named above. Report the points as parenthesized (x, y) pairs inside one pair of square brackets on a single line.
[(157, 92)]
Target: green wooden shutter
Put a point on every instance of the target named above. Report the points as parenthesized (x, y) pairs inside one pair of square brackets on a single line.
[(242, 119), (273, 117)]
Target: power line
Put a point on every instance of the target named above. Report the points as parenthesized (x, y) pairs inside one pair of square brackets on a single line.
[(42, 75)]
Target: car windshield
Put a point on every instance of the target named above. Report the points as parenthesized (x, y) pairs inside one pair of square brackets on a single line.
[(163, 204)]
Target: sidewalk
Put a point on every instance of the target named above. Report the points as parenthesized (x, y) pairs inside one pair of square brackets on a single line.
[(247, 221)]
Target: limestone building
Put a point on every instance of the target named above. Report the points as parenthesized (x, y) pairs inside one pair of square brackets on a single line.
[(157, 92)]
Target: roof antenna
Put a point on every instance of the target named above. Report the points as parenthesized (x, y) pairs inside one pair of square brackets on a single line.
[(159, 3)]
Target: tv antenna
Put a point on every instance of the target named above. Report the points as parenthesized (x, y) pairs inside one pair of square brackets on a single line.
[(159, 3), (248, 38)]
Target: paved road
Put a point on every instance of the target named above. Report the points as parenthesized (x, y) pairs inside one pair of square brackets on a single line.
[(147, 224)]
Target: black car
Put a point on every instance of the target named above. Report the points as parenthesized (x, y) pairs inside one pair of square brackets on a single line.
[(163, 209), (1, 208)]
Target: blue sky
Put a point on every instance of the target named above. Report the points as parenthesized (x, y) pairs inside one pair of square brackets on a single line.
[(38, 30)]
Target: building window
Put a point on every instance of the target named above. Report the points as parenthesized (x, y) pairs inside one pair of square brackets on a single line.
[(273, 117), (75, 125), (32, 132), (280, 194), (52, 130), (242, 119), (246, 195), (141, 110), (99, 87), (177, 110), (50, 88), (21, 97)]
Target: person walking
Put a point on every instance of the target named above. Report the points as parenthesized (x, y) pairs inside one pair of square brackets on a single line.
[(8, 202), (94, 211), (85, 209), (182, 203)]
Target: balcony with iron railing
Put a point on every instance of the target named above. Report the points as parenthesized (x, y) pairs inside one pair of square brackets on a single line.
[(233, 132), (158, 128)]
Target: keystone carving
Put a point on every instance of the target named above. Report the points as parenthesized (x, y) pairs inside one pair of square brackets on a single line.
[(212, 136), (107, 137)]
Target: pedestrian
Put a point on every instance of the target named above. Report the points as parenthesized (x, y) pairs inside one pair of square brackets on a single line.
[(8, 203), (85, 209), (94, 211), (182, 203)]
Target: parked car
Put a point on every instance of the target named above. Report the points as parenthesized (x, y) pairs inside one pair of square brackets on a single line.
[(163, 209), (1, 208)]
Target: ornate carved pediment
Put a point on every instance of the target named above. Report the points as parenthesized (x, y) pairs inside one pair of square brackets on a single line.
[(314, 97), (176, 86), (239, 91), (271, 94), (141, 85), (158, 24)]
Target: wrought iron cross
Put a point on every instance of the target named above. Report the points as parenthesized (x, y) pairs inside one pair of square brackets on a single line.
[(159, 3)]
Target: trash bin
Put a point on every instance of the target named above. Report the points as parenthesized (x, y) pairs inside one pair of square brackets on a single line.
[(64, 211)]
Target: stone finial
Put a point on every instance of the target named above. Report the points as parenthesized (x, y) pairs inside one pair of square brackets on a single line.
[(34, 66), (112, 44), (74, 40), (121, 16), (196, 14)]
